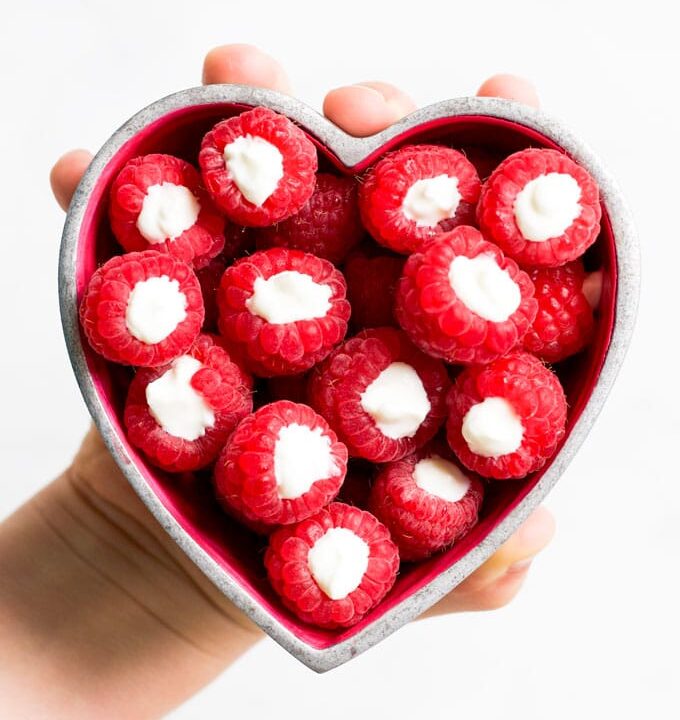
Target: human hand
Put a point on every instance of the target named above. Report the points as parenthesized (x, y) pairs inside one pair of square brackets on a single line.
[(155, 616)]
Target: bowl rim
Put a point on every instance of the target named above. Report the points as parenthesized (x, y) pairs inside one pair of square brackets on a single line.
[(351, 151)]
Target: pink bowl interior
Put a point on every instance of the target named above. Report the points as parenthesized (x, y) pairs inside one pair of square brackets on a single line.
[(189, 497)]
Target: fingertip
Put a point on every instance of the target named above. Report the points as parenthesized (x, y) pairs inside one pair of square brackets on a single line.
[(537, 530), (528, 540), (66, 173), (247, 64), (502, 591), (510, 87), (366, 108)]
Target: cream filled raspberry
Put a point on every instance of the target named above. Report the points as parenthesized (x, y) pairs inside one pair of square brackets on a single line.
[(413, 194), (462, 300), (334, 567), (158, 202), (541, 208), (382, 396), (282, 310), (506, 418), (372, 276), (142, 309), (426, 501), (564, 323), (328, 225), (282, 464), (180, 415), (258, 166)]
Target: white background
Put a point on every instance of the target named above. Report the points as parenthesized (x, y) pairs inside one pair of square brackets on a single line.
[(595, 631)]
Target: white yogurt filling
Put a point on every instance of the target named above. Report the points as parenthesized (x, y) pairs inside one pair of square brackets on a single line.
[(431, 200), (491, 428), (167, 211), (397, 401), (442, 478), (155, 308), (302, 456), (338, 561), (289, 296), (255, 166), (547, 205), (175, 405), (484, 288)]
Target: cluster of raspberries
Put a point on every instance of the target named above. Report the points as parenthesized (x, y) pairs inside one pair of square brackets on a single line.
[(312, 336)]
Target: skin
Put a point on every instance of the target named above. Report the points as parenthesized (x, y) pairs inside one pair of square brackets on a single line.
[(114, 621)]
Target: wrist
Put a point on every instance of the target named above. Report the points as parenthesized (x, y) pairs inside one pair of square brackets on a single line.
[(95, 595)]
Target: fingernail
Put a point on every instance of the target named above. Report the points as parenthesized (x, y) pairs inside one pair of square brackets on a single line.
[(537, 530), (519, 567), (372, 90)]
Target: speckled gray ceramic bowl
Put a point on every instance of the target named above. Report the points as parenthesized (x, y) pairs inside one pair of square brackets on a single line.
[(487, 129)]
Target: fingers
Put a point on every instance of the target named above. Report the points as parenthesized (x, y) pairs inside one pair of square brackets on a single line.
[(510, 87), (499, 579), (225, 64), (244, 64), (366, 108), (66, 174)]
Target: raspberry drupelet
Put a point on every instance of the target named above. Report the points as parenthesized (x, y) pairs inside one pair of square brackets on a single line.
[(461, 300), (372, 276), (327, 226), (540, 208), (142, 309), (258, 166), (506, 418), (282, 310), (334, 567), (564, 323), (209, 277), (158, 202), (382, 396), (426, 501), (281, 465), (417, 192), (180, 415)]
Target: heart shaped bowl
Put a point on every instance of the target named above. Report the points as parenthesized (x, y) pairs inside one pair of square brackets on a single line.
[(487, 129)]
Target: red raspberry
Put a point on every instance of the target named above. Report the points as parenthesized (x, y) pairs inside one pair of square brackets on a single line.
[(156, 417), (426, 501), (551, 234), (238, 241), (281, 465), (142, 309), (408, 197), (260, 300), (382, 396), (468, 324), (209, 277), (564, 323), (315, 582), (143, 210), (506, 418), (372, 278), (265, 193), (328, 226)]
